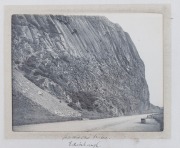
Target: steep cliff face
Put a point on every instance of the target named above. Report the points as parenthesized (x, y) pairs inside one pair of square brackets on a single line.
[(86, 61)]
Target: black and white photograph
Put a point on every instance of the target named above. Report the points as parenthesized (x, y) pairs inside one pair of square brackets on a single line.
[(99, 72), (89, 74), (93, 72)]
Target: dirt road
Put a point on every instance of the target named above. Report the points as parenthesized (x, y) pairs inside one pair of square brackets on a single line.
[(125, 123)]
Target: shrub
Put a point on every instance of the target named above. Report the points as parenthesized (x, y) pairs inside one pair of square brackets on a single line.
[(86, 99), (73, 105)]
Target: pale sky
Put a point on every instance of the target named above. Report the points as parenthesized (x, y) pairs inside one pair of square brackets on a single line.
[(146, 32)]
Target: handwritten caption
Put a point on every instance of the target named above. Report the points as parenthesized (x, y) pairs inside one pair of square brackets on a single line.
[(90, 141)]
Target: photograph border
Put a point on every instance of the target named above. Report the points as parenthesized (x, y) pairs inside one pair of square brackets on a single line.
[(164, 9)]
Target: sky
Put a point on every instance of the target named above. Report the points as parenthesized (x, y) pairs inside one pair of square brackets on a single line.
[(146, 31)]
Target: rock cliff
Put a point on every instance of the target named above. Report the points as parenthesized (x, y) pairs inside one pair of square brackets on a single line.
[(88, 62)]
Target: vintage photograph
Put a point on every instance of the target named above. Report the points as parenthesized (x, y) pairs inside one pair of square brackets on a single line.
[(87, 72)]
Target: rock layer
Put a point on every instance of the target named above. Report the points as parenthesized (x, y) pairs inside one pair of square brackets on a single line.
[(86, 61)]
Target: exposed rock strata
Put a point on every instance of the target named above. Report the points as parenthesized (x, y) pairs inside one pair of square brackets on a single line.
[(86, 61)]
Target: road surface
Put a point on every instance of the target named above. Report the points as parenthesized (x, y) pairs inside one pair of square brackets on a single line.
[(123, 124)]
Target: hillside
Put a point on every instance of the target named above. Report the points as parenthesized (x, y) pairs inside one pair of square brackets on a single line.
[(87, 62), (31, 104)]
